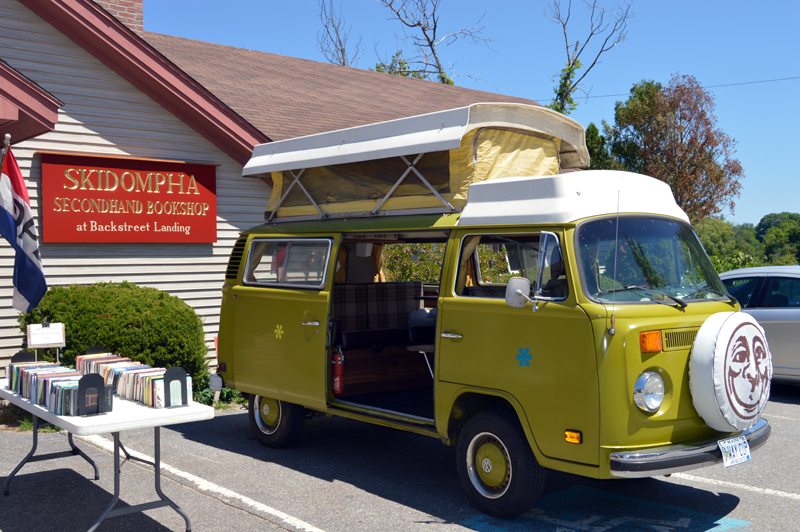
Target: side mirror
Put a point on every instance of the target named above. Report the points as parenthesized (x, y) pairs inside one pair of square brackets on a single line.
[(517, 291)]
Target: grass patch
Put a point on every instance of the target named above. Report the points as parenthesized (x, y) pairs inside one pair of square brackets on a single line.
[(228, 399), (26, 423)]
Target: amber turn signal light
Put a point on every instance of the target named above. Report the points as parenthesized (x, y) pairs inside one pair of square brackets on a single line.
[(650, 342), (573, 436)]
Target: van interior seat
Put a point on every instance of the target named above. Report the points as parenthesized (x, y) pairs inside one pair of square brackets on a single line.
[(375, 315)]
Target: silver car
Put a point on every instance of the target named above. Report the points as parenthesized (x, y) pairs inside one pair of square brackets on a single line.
[(771, 294)]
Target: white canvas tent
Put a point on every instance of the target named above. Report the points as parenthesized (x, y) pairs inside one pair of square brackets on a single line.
[(414, 165)]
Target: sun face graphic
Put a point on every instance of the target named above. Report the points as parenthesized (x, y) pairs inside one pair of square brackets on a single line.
[(278, 331), (747, 371)]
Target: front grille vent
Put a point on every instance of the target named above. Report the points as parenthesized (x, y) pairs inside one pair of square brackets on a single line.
[(676, 339), (236, 258)]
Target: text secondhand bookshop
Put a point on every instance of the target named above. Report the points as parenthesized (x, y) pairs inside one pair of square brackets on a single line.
[(96, 199)]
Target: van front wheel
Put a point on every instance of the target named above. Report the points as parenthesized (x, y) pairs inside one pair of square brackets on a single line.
[(276, 423), (496, 466)]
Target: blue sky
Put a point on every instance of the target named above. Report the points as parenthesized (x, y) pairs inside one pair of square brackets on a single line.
[(734, 43)]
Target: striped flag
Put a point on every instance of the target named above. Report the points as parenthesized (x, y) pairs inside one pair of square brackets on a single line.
[(18, 227)]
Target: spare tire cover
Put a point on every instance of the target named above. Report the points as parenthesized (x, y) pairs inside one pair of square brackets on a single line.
[(730, 371)]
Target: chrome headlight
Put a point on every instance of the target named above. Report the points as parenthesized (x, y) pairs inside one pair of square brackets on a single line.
[(648, 392)]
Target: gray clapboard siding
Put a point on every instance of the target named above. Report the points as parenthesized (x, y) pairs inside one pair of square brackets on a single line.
[(105, 115)]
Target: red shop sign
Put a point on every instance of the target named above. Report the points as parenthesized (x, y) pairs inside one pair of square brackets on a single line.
[(97, 199)]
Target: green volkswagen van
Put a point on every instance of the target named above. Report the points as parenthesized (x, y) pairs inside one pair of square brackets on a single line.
[(443, 275)]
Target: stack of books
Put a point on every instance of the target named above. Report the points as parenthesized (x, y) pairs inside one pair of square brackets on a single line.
[(130, 379), (45, 383), (56, 387)]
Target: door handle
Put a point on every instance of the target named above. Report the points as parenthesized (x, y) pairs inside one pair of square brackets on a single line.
[(451, 335), (310, 323)]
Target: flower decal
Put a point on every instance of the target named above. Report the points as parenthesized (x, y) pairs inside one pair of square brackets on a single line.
[(278, 331), (524, 357)]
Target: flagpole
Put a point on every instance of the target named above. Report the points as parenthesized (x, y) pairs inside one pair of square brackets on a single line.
[(6, 144)]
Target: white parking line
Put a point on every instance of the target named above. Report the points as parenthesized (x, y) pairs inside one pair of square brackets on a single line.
[(208, 487), (764, 491)]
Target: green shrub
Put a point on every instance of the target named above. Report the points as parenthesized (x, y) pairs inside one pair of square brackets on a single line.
[(144, 324)]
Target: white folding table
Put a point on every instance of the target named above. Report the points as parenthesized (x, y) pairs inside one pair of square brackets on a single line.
[(125, 415)]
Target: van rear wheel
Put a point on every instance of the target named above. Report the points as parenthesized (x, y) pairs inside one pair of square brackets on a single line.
[(276, 423), (496, 466)]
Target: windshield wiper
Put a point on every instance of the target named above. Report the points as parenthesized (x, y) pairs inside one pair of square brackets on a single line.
[(731, 300), (680, 302)]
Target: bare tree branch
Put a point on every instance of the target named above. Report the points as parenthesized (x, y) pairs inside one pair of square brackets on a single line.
[(332, 42), (614, 33), (421, 25)]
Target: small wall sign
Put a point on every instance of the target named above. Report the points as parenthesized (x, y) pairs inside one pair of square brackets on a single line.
[(46, 335)]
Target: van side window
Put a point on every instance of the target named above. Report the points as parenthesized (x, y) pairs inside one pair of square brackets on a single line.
[(289, 263), (487, 262)]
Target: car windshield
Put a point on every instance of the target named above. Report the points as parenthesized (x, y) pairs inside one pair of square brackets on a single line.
[(645, 259)]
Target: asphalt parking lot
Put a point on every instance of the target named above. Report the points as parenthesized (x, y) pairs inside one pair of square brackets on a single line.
[(348, 476)]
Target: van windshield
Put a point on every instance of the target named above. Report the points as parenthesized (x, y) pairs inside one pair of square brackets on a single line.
[(645, 259)]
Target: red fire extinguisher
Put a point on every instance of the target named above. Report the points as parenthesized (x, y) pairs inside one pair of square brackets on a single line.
[(338, 371)]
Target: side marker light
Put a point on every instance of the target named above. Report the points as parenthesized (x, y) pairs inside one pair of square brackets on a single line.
[(573, 436), (650, 342)]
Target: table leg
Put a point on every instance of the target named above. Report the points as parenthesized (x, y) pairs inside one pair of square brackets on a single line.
[(158, 481), (30, 458), (76, 450), (165, 501), (115, 500)]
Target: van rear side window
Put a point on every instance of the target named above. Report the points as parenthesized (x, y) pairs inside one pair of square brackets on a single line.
[(288, 263)]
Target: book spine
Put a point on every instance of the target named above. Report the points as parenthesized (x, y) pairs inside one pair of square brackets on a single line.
[(158, 393)]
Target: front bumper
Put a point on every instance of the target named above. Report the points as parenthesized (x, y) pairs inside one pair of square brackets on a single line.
[(680, 457)]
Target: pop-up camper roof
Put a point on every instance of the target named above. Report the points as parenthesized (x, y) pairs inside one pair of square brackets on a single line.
[(415, 165)]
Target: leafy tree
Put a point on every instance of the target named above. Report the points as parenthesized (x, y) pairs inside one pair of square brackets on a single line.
[(569, 79), (563, 102), (794, 239), (671, 133), (730, 246), (734, 262), (772, 220), (599, 155), (781, 242), (717, 236), (398, 67), (736, 246), (746, 241)]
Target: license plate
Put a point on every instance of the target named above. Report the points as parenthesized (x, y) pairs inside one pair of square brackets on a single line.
[(734, 450)]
